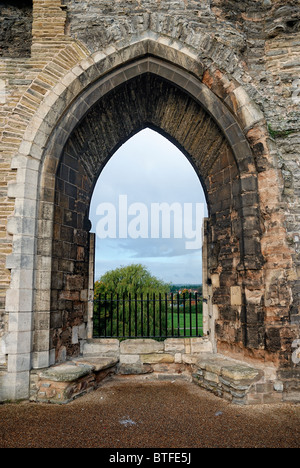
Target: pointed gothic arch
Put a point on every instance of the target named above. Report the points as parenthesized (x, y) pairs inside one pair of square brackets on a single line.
[(155, 93), (114, 101)]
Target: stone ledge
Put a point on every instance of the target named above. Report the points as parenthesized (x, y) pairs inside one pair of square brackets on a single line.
[(96, 363), (65, 382), (66, 373), (235, 381)]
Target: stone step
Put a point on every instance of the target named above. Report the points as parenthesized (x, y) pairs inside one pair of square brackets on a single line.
[(67, 372), (65, 382)]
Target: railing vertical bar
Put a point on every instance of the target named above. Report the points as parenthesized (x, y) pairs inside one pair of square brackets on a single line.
[(135, 315), (142, 314), (123, 315), (191, 330), (166, 313), (184, 318), (99, 314), (172, 312), (148, 315), (111, 314), (129, 299), (159, 314), (196, 302), (178, 313), (118, 315), (154, 318), (105, 310)]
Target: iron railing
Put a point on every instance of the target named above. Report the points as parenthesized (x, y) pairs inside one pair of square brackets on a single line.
[(148, 316)]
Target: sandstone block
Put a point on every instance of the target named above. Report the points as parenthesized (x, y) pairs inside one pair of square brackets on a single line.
[(129, 358), (157, 358), (238, 372), (235, 296), (66, 373), (174, 345), (189, 358), (101, 347), (143, 346), (211, 377), (135, 369), (97, 363), (200, 345)]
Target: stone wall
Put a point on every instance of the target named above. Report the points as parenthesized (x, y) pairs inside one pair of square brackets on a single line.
[(15, 28)]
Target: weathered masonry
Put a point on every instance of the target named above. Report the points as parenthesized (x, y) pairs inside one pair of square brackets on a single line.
[(218, 78)]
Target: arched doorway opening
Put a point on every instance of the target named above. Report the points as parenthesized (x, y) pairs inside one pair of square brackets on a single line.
[(147, 210)]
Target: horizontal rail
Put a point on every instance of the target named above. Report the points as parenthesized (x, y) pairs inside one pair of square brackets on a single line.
[(148, 316)]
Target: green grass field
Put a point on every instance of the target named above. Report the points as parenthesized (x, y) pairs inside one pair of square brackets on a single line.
[(188, 325)]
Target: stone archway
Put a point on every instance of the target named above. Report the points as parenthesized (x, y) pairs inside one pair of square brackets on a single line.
[(181, 106), (148, 92)]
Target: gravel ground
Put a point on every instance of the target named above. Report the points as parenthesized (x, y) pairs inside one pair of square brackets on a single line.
[(132, 413)]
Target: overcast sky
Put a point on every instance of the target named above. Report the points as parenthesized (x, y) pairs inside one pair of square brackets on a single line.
[(148, 170)]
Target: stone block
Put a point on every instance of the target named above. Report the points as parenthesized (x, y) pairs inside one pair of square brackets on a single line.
[(22, 321), (19, 342), (129, 358), (235, 296), (74, 282), (19, 362), (200, 345), (19, 300), (141, 346), (135, 369), (178, 358), (97, 363), (102, 346), (189, 358), (215, 279), (66, 372), (253, 296), (211, 377), (74, 335), (42, 360), (174, 345), (239, 372), (157, 358)]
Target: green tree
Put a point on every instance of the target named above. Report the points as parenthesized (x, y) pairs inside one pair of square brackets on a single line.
[(133, 279), (118, 308)]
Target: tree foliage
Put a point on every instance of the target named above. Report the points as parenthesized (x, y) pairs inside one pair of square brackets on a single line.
[(133, 279), (118, 317)]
